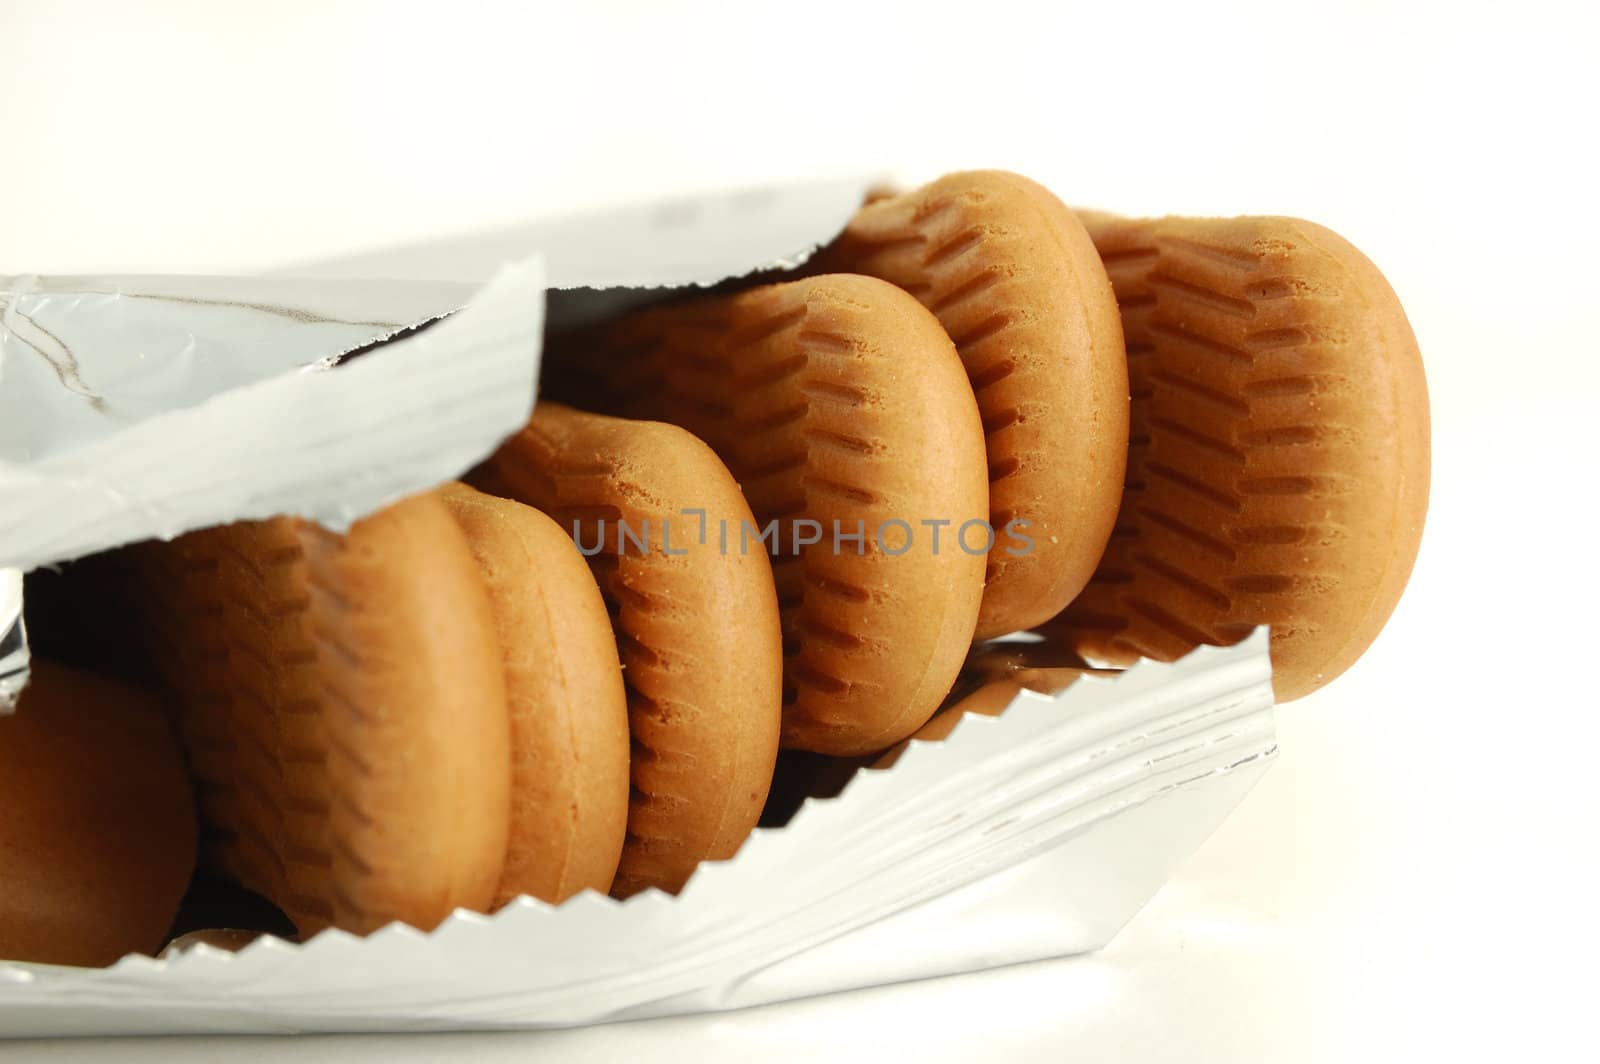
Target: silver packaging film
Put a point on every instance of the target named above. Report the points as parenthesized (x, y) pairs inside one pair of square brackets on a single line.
[(1035, 834)]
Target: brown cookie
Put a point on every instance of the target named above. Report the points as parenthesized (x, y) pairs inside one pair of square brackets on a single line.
[(696, 625), (344, 711), (1279, 456), (842, 409), (97, 824), (569, 713), (1015, 281)]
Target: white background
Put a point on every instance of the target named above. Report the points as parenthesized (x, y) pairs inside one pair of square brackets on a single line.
[(1417, 874)]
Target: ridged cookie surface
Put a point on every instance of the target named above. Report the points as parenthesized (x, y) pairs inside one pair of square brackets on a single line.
[(1279, 455), (839, 404), (696, 626), (343, 709), (1015, 281)]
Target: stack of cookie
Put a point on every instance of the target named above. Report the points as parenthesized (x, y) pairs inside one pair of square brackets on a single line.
[(790, 515)]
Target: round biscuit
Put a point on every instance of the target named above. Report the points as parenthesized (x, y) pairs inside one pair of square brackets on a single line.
[(564, 691), (843, 410), (1279, 458), (1014, 279), (696, 626), (343, 707), (97, 837)]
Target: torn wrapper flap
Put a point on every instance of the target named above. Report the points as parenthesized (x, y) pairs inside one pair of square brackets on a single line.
[(141, 407)]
